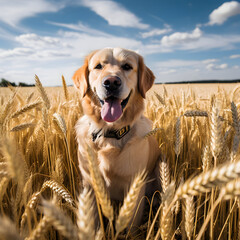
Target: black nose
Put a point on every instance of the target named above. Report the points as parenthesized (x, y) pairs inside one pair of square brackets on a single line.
[(111, 83)]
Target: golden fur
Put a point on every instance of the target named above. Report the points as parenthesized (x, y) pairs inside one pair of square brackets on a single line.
[(119, 160)]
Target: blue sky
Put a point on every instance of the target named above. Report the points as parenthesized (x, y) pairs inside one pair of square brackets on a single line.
[(179, 39)]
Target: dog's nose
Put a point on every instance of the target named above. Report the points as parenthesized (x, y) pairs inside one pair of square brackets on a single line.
[(111, 83)]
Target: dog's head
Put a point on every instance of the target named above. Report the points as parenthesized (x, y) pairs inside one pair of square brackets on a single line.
[(114, 79)]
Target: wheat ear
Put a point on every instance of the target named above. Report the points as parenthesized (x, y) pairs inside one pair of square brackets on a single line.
[(26, 109), (204, 182), (66, 94), (159, 98), (39, 230), (99, 186), (59, 190), (22, 127), (42, 92), (166, 219), (17, 167), (59, 220), (165, 176), (195, 113), (85, 220), (189, 216), (216, 136), (152, 132), (130, 202), (60, 123)]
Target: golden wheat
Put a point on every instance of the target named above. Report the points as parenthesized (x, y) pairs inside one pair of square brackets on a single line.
[(39, 160)]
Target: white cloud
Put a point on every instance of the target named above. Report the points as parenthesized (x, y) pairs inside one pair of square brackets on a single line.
[(208, 61), (80, 27), (114, 13), (234, 56), (212, 66), (16, 52), (181, 37), (156, 32), (12, 12), (225, 11), (35, 41)]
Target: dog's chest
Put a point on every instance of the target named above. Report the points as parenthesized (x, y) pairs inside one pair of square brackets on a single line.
[(119, 165)]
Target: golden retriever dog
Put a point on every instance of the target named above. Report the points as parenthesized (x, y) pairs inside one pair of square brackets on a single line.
[(113, 83)]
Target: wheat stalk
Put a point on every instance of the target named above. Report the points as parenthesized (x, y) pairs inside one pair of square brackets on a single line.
[(85, 215), (130, 202), (42, 92), (178, 136), (166, 219), (99, 186)]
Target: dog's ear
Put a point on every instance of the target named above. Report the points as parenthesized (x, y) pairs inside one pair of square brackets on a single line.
[(145, 77), (80, 77)]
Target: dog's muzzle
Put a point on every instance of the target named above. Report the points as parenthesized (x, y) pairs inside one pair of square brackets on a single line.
[(112, 105)]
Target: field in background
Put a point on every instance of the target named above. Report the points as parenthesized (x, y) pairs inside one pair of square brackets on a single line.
[(198, 130)]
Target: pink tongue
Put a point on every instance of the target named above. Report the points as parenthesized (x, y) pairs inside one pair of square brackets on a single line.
[(111, 110)]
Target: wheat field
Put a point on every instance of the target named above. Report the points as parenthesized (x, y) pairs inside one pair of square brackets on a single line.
[(198, 131)]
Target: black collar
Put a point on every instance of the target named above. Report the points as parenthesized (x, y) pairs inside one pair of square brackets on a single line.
[(118, 134)]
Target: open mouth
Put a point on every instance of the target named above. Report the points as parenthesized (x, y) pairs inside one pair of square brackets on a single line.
[(112, 108)]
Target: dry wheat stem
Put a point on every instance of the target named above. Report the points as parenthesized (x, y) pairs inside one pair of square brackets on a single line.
[(166, 219), (85, 220), (130, 202), (99, 186), (178, 136)]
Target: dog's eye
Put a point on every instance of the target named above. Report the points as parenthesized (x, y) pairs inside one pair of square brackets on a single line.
[(99, 66), (126, 67)]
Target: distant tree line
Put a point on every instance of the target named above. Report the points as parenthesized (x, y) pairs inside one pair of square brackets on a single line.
[(6, 83)]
